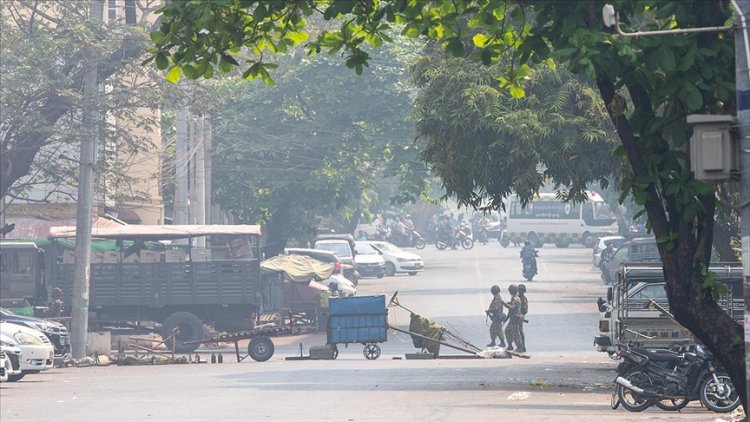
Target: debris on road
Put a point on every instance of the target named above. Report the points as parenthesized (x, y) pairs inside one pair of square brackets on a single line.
[(519, 395)]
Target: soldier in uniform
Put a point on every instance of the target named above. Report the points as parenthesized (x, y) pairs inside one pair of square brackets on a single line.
[(495, 312), (56, 307), (523, 311), (515, 319)]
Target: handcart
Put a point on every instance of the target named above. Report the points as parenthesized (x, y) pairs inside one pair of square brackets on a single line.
[(361, 319), (429, 336), (261, 347)]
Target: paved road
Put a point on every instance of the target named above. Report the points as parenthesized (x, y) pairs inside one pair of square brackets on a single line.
[(564, 380)]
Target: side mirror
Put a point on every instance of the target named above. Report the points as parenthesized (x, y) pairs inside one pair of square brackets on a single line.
[(610, 294), (600, 303)]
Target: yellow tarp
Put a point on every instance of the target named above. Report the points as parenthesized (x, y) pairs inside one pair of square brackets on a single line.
[(423, 326), (297, 268)]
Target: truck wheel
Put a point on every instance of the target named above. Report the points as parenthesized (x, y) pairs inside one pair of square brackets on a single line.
[(15, 377), (260, 348), (190, 329)]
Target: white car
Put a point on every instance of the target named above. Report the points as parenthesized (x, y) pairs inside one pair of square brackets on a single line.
[(601, 244), (10, 358), (398, 260), (369, 261), (37, 352)]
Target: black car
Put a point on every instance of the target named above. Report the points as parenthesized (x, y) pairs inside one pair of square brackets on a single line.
[(55, 332)]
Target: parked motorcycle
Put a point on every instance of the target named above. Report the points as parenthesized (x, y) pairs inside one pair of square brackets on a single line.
[(528, 259), (670, 380)]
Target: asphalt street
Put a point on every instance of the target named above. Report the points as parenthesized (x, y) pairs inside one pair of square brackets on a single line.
[(565, 379)]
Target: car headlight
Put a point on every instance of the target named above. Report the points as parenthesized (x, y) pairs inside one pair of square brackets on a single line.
[(400, 259), (43, 327), (27, 339), (4, 343)]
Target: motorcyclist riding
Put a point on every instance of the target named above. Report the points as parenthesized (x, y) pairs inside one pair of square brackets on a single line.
[(528, 258)]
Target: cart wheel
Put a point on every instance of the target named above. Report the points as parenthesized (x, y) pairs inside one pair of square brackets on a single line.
[(334, 352), (260, 348), (372, 351)]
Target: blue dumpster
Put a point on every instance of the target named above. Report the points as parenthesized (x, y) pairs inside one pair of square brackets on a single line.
[(362, 319)]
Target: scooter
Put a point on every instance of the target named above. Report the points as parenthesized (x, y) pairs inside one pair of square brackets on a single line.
[(528, 260)]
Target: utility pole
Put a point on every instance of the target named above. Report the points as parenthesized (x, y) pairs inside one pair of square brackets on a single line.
[(198, 197), (742, 78), (84, 212), (181, 160), (208, 153)]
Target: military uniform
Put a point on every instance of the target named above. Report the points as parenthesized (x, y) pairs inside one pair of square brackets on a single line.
[(515, 319), (496, 328), (524, 309)]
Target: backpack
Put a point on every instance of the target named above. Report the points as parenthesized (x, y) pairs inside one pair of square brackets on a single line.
[(524, 305)]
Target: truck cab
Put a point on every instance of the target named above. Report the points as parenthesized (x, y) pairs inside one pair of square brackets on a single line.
[(627, 316), (22, 274)]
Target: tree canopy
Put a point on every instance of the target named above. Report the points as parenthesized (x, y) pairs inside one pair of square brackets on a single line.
[(46, 48), (648, 84)]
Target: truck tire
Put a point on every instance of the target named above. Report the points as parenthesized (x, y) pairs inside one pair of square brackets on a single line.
[(191, 329), (260, 348)]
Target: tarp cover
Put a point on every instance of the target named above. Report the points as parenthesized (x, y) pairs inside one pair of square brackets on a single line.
[(297, 268), (427, 328), (357, 305), (163, 232)]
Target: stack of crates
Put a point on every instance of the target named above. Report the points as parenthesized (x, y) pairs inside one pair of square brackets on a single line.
[(362, 319)]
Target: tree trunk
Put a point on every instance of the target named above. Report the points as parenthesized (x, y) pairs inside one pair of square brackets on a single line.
[(275, 229), (691, 303)]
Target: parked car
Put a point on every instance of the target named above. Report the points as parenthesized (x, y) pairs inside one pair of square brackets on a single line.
[(601, 244), (369, 261), (56, 333), (10, 361), (37, 352), (637, 250), (398, 260), (340, 244), (4, 366)]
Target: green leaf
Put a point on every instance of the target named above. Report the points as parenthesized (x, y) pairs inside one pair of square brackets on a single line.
[(693, 99), (517, 91), (156, 37), (480, 40), (297, 37), (455, 47), (666, 59), (161, 61), (551, 63), (173, 75)]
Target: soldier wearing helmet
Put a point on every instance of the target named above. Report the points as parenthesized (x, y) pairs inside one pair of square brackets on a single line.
[(495, 312), (512, 330), (523, 310)]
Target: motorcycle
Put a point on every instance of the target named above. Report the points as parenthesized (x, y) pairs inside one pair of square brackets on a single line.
[(417, 240), (528, 259), (670, 380), (464, 237)]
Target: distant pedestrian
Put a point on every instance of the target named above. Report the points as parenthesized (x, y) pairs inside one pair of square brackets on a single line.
[(524, 310), (495, 312)]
